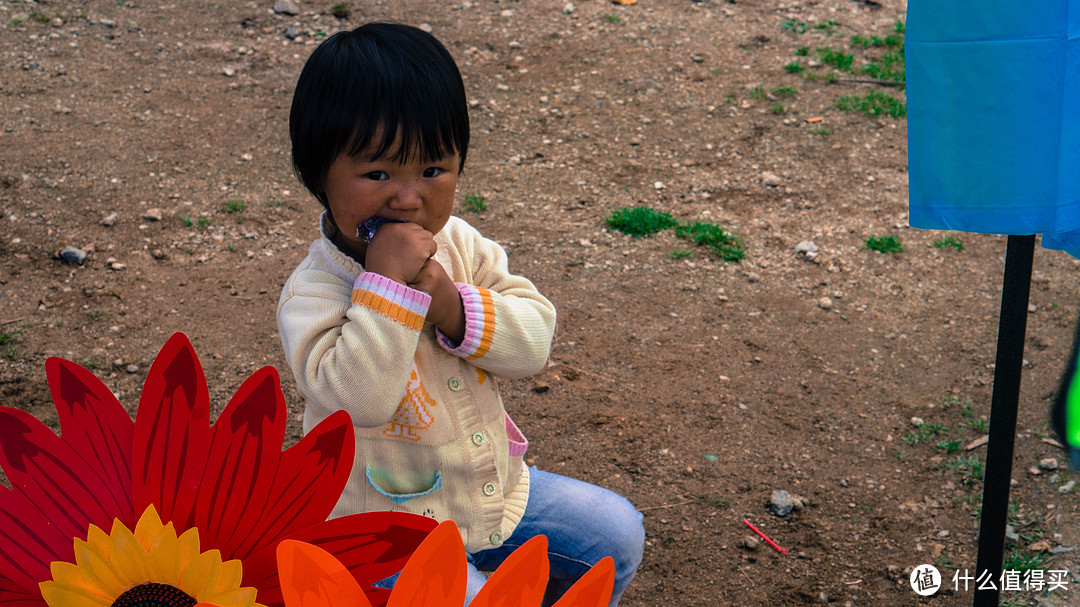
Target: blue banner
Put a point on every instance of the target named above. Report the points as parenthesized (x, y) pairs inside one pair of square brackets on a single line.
[(993, 96)]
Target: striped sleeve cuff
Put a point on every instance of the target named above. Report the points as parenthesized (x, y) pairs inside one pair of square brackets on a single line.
[(479, 323), (391, 299)]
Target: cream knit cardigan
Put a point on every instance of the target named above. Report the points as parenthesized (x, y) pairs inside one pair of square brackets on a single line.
[(432, 436)]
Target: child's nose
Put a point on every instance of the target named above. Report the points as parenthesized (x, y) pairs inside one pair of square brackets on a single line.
[(407, 197)]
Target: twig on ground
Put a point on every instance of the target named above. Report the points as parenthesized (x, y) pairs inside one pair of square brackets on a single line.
[(665, 506)]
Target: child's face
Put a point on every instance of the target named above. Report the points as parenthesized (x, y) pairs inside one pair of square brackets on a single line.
[(361, 187)]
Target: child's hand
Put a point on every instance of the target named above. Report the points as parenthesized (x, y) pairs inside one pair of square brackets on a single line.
[(446, 310), (399, 251)]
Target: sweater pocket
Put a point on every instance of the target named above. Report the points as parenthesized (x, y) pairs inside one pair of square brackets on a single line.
[(385, 486)]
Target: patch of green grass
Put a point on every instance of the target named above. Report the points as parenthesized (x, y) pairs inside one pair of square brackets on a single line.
[(898, 27), (1018, 559), (235, 206), (971, 469), (186, 220), (884, 244), (949, 446), (8, 337), (97, 314), (15, 22), (11, 353), (778, 108), (680, 254), (729, 98), (949, 241), (821, 131), (829, 27), (713, 237), (759, 93), (204, 222), (794, 67), (802, 51), (838, 59), (889, 67), (794, 26), (639, 221), (785, 91), (41, 17), (611, 17), (873, 104), (890, 41), (474, 203), (923, 433)]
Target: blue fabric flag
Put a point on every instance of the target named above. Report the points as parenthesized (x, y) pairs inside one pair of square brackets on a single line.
[(993, 95)]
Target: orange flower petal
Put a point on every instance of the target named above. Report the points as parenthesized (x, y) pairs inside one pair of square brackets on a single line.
[(521, 579), (312, 577), (436, 574), (593, 589)]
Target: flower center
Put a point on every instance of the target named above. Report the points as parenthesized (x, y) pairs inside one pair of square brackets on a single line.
[(152, 594)]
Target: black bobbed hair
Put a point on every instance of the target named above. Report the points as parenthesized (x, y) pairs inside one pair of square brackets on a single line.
[(380, 80)]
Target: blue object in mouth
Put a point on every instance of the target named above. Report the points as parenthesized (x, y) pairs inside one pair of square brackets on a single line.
[(366, 231)]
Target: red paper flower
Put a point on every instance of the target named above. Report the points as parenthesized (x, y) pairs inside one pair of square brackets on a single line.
[(230, 481), (435, 576)]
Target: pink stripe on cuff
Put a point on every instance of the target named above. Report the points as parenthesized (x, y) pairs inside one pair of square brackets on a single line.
[(518, 443)]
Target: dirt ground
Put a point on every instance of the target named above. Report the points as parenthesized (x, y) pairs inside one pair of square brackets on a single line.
[(153, 136)]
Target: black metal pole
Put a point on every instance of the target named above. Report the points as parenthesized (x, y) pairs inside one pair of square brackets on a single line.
[(1012, 326)]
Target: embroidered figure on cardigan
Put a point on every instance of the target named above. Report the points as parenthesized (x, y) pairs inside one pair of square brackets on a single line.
[(412, 414)]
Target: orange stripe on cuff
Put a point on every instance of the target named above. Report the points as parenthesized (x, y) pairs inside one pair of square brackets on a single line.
[(489, 323), (388, 308)]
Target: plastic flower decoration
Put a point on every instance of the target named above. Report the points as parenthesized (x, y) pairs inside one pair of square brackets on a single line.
[(435, 576), (169, 510)]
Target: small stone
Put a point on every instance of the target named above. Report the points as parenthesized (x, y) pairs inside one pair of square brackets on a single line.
[(109, 220), (1034, 471), (286, 7), (1012, 538), (118, 363), (824, 303), (1048, 463), (56, 22), (132, 368), (152, 215), (293, 32), (771, 179), (750, 542), (158, 254), (569, 8), (540, 387), (781, 503), (659, 185), (807, 247), (1067, 487), (426, 27), (228, 71), (944, 533), (917, 422), (73, 255)]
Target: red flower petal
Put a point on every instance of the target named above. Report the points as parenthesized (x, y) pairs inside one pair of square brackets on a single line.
[(310, 478), (371, 545), (437, 573), (97, 427), (593, 589), (314, 578), (53, 477), (521, 579), (13, 595), (242, 463), (172, 433), (28, 543)]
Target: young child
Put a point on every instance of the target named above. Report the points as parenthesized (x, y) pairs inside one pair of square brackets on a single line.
[(404, 316)]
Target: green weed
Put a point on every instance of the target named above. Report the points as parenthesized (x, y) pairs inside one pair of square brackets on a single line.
[(898, 27), (890, 67), (612, 17), (829, 27), (8, 337), (1017, 559), (785, 91), (874, 104), (235, 206), (794, 26), (923, 433), (475, 204), (204, 222), (639, 221), (949, 446), (713, 237), (970, 469), (822, 132), (680, 254), (778, 108), (949, 241), (884, 244), (759, 93), (794, 67), (186, 219), (890, 41), (802, 51), (11, 353), (838, 59)]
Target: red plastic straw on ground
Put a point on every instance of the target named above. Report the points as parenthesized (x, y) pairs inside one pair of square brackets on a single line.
[(764, 537)]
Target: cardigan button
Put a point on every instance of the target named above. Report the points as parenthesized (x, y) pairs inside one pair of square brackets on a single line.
[(495, 537), (489, 489), (478, 438), (454, 384)]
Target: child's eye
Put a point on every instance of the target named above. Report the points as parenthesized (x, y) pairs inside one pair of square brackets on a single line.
[(377, 175), (433, 171)]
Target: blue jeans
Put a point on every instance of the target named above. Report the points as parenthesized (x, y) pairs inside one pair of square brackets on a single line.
[(583, 524)]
